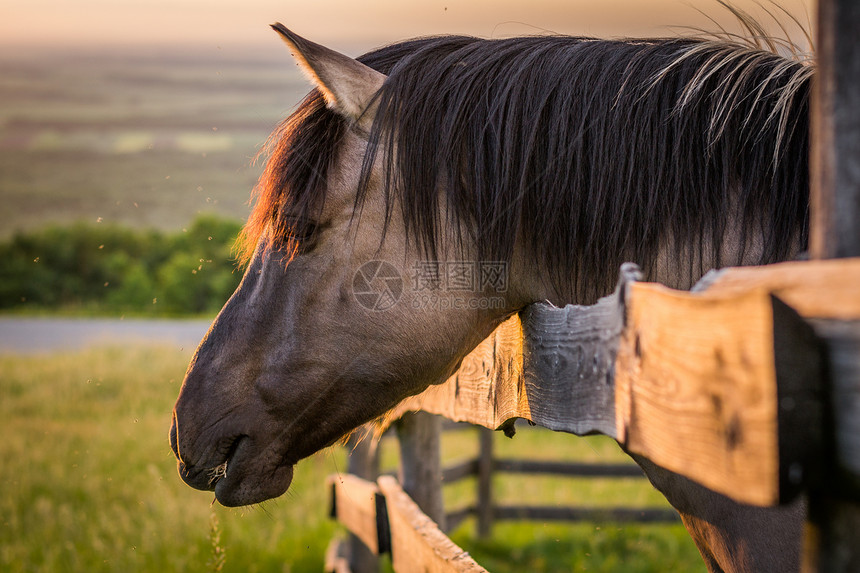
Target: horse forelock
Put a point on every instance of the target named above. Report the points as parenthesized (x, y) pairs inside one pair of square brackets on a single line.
[(591, 152)]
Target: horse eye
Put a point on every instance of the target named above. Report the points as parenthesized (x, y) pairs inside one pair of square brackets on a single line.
[(304, 234)]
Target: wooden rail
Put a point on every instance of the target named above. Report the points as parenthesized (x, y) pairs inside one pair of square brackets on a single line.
[(722, 385), (361, 507), (383, 516), (487, 511)]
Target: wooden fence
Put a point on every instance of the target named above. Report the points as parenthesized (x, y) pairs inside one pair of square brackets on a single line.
[(749, 386), (486, 510), (360, 505)]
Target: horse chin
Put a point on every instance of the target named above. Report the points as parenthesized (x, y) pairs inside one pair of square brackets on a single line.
[(247, 479), (250, 489)]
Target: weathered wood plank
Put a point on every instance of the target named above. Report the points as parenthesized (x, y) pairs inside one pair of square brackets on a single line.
[(486, 390), (485, 467), (835, 153), (550, 365), (815, 289), (518, 370), (355, 503), (459, 471), (417, 543), (572, 514), (363, 462), (469, 468), (688, 371), (419, 435), (335, 557), (502, 378), (696, 387), (835, 232)]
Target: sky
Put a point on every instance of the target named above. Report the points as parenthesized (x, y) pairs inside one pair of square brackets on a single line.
[(349, 25)]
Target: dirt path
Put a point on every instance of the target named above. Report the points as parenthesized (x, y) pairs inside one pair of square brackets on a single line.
[(32, 335)]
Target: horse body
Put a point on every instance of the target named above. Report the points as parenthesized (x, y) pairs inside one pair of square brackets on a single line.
[(559, 158)]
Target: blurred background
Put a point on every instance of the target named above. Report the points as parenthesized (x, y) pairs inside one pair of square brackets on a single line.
[(128, 132)]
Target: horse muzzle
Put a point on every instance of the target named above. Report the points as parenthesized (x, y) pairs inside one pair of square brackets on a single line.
[(238, 472)]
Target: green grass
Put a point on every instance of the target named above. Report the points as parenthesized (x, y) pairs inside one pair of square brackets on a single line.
[(89, 484)]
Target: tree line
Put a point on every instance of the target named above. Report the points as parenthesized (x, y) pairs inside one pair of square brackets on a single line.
[(110, 269)]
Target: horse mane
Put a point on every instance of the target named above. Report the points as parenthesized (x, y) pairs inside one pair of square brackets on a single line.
[(591, 152)]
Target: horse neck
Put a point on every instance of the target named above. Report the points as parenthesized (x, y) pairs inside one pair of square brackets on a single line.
[(678, 264)]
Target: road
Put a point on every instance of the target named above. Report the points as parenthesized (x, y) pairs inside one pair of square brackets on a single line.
[(35, 334)]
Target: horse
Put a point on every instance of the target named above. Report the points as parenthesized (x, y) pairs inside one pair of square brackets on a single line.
[(558, 158)]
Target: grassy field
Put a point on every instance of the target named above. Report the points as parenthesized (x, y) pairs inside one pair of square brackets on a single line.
[(90, 485), (143, 140)]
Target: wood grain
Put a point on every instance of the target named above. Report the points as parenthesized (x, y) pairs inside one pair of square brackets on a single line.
[(699, 382), (696, 388), (419, 435), (835, 233), (417, 543), (355, 506), (815, 289)]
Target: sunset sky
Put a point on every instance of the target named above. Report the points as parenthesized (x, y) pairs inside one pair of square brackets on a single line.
[(351, 26)]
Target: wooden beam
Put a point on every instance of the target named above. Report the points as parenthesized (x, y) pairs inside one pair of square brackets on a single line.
[(815, 289), (363, 462), (697, 389), (416, 539), (490, 388), (419, 435), (835, 123), (516, 372), (834, 540), (356, 503), (460, 471), (469, 468), (486, 465), (549, 365), (486, 390)]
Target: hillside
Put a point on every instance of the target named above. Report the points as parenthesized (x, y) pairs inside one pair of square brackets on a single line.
[(145, 140)]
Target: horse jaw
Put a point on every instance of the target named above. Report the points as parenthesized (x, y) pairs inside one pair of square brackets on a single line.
[(295, 360)]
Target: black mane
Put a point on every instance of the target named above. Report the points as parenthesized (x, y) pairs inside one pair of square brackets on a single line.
[(592, 152)]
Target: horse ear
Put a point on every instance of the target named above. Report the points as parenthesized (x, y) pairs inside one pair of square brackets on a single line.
[(347, 85)]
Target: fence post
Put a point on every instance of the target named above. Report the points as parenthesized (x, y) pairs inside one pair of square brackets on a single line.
[(833, 541), (485, 482), (420, 468), (363, 461)]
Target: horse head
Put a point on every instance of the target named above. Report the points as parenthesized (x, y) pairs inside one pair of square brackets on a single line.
[(337, 317), (425, 191)]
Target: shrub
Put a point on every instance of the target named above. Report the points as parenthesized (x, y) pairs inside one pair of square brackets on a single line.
[(111, 269)]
